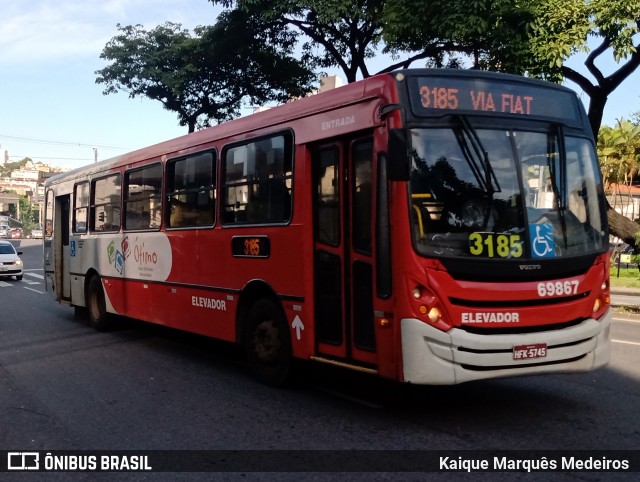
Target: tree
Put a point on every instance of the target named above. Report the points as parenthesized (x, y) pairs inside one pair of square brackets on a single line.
[(489, 35), (26, 212), (338, 33), (619, 152), (530, 37), (613, 28), (551, 31), (6, 168), (206, 76)]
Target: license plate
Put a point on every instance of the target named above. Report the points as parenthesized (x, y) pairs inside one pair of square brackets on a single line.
[(526, 352)]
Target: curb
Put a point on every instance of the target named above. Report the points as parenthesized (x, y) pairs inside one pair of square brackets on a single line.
[(625, 292)]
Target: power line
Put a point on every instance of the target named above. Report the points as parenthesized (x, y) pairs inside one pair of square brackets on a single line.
[(51, 158), (62, 143)]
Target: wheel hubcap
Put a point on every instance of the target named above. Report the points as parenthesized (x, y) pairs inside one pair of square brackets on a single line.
[(266, 342)]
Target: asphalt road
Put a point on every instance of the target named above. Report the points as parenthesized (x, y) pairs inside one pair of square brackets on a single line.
[(64, 386)]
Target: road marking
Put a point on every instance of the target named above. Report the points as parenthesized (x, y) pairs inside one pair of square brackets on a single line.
[(627, 320), (31, 289), (626, 342), (4, 284), (29, 282), (34, 275)]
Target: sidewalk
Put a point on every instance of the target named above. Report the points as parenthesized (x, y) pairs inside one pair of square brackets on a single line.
[(620, 291)]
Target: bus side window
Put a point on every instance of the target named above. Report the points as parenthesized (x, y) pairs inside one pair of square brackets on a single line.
[(143, 195), (258, 180), (48, 223), (105, 203), (362, 152), (81, 207), (191, 191), (328, 196)]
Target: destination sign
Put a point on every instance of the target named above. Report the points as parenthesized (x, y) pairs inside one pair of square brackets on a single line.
[(251, 246), (437, 95)]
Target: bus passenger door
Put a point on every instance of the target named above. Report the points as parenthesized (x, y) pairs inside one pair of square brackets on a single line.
[(62, 253), (343, 211)]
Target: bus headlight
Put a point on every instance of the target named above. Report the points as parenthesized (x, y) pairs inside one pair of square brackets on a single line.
[(434, 315), (427, 305)]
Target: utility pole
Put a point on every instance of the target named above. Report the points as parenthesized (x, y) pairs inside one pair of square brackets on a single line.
[(95, 154)]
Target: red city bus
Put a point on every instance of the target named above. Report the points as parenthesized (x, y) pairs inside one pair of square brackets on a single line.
[(427, 226)]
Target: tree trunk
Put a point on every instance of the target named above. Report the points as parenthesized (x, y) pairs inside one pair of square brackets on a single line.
[(621, 226)]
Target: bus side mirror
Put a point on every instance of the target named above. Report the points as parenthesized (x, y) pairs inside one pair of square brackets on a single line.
[(398, 155)]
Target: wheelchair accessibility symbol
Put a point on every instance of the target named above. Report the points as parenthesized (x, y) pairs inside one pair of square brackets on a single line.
[(541, 237)]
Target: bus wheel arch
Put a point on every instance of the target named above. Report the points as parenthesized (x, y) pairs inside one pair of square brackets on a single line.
[(264, 334)]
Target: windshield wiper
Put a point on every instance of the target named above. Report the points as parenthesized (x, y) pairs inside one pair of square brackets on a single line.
[(477, 157), (558, 175)]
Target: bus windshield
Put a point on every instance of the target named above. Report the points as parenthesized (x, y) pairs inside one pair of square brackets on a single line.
[(504, 194)]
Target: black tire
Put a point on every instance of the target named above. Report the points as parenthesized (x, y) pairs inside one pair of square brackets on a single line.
[(19, 278), (96, 306), (267, 343)]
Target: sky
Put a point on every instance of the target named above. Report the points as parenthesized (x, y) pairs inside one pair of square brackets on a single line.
[(51, 109)]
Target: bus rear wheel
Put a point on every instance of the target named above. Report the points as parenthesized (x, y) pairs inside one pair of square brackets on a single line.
[(96, 305), (267, 343)]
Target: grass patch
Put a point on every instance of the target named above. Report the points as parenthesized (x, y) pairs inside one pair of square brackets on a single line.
[(625, 278)]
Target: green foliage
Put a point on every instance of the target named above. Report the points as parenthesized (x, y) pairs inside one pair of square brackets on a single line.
[(617, 21), (200, 76), (26, 213), (489, 34), (341, 33), (626, 277), (5, 169), (559, 30), (208, 75), (619, 152)]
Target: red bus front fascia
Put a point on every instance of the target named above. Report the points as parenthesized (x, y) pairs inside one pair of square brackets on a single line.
[(430, 290)]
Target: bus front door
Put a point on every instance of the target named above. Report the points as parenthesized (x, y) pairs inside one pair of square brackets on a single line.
[(344, 265)]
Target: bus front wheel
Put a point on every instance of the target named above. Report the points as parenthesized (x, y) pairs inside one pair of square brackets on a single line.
[(267, 343), (96, 305)]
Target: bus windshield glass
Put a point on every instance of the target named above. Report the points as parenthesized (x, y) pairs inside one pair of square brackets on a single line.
[(504, 194)]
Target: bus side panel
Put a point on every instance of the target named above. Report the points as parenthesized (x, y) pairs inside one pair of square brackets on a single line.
[(203, 280), (220, 277)]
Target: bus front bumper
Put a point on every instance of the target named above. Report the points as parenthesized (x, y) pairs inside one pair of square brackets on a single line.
[(434, 357)]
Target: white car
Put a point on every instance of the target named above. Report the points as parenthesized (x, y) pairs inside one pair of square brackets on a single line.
[(10, 262)]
